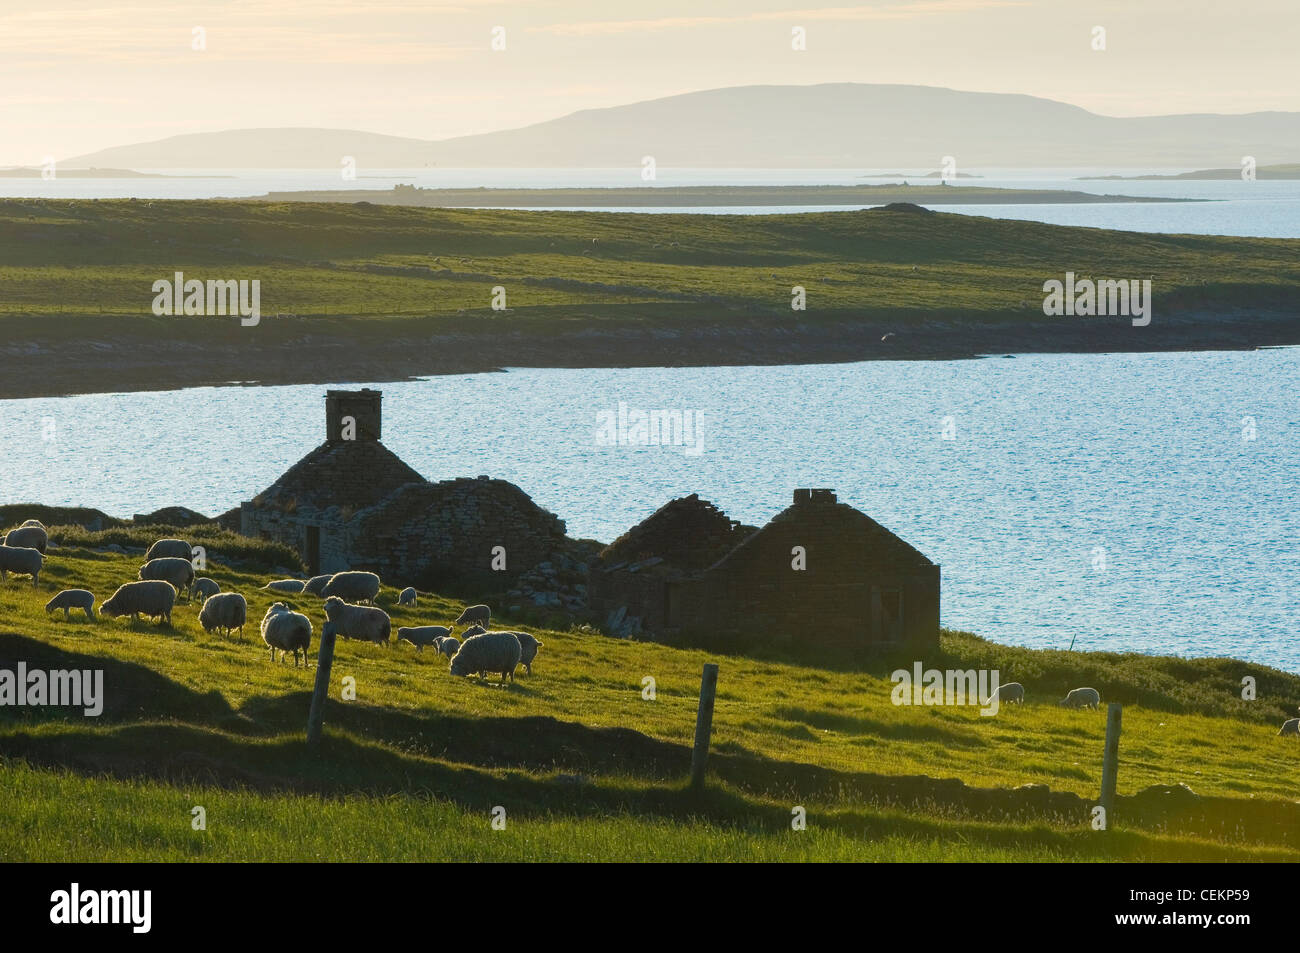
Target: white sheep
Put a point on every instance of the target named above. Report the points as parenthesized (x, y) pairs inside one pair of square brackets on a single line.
[(423, 635), (1011, 692), (448, 645), (1290, 727), (205, 588), (287, 631), (358, 622), (407, 597), (528, 646), (286, 585), (174, 548), (1081, 698), (352, 586), (34, 523), (154, 598), (70, 599), (472, 631), (21, 561), (489, 652), (179, 572), (28, 537), (315, 584), (227, 611), (480, 614)]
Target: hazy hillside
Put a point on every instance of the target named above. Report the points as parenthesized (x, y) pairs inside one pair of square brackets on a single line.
[(832, 125)]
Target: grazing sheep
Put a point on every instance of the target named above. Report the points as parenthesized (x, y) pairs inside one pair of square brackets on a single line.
[(21, 561), (154, 598), (479, 614), (352, 586), (489, 652), (226, 611), (472, 631), (407, 597), (285, 585), (34, 523), (423, 635), (358, 622), (179, 572), (287, 631), (1011, 692), (205, 588), (1290, 727), (1081, 698), (447, 646), (528, 646), (315, 584), (174, 548), (28, 537), (70, 599)]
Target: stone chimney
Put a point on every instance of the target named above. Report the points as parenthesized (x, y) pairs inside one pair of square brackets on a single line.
[(353, 414)]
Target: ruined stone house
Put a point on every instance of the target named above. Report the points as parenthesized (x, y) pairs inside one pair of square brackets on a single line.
[(352, 503), (689, 573)]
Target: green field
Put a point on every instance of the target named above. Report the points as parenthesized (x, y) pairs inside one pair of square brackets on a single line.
[(99, 259), (586, 767)]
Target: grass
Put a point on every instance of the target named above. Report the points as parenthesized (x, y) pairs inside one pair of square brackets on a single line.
[(340, 267), (584, 765)]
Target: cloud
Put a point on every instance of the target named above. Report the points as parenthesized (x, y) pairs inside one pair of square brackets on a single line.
[(886, 11)]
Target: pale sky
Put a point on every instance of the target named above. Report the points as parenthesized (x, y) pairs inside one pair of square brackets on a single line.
[(81, 75)]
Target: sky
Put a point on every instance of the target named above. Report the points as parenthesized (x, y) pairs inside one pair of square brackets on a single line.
[(80, 75)]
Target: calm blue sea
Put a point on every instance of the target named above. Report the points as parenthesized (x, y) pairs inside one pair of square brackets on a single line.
[(1140, 502)]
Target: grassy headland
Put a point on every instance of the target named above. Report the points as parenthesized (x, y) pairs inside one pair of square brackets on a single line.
[(587, 768), (366, 293)]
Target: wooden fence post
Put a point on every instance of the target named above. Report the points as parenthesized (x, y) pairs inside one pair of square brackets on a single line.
[(324, 662), (704, 724), (1110, 761)]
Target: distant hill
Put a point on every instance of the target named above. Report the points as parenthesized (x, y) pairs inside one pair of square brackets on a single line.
[(840, 125), (1291, 171)]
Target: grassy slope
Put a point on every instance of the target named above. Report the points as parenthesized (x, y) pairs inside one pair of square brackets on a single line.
[(412, 767), (88, 260)]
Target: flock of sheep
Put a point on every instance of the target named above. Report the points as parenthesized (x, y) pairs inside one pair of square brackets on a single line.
[(1014, 693), (169, 572)]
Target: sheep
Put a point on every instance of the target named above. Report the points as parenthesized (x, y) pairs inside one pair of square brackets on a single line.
[(287, 631), (473, 630), (174, 548), (481, 614), (407, 597), (1081, 698), (28, 537), (489, 652), (226, 611), (423, 635), (205, 588), (21, 561), (70, 599), (34, 523), (1011, 692), (358, 622), (1290, 727), (315, 584), (179, 572), (352, 586), (528, 646), (153, 597), (448, 645), (286, 585)]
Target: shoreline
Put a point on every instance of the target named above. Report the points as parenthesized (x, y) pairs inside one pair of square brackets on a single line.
[(131, 363)]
